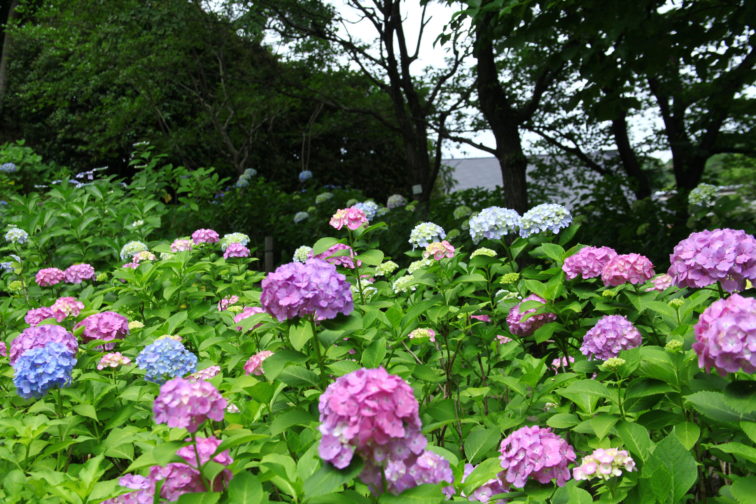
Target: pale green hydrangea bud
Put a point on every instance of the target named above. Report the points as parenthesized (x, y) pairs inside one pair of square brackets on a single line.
[(676, 303), (613, 364), (416, 265), (302, 254), (16, 286), (608, 294), (386, 268), (509, 278), (674, 345), (405, 283), (483, 251)]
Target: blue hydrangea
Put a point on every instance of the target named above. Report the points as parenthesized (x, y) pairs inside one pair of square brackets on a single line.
[(16, 235), (548, 216), (425, 233), (245, 177), (166, 358), (6, 267), (230, 238), (8, 168), (305, 175), (300, 216), (40, 369), (132, 248), (493, 223), (369, 207)]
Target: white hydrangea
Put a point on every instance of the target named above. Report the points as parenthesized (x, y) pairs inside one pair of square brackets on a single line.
[(396, 201), (386, 268), (545, 217), (416, 265), (300, 216), (230, 238), (16, 235), (493, 223), (404, 283), (425, 233), (302, 253), (131, 248)]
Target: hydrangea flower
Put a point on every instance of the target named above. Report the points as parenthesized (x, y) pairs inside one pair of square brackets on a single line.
[(227, 301), (37, 337), (246, 177), (253, 366), (660, 283), (561, 363), (144, 490), (205, 374), (604, 464), (493, 223), (525, 323), (205, 236), (3, 349), (627, 268), (230, 238), (323, 197), (36, 315), (164, 359), (545, 217), (610, 335), (247, 312), (703, 195), (345, 261), (482, 318), (113, 360), (423, 333), (588, 262), (135, 324), (16, 235), (49, 276), (65, 307), (395, 201), (8, 168), (132, 248), (77, 273), (439, 250), (404, 283), (181, 245), (503, 340), (38, 370), (302, 254), (420, 264), (105, 326), (185, 404), (726, 335), (483, 251), (425, 233), (235, 250), (350, 217), (484, 492), (312, 288), (370, 208), (300, 216), (305, 175), (462, 211), (727, 256), (386, 268), (538, 453)]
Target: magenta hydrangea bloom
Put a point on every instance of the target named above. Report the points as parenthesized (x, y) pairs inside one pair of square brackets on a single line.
[(77, 273), (65, 307), (49, 276), (187, 403), (351, 217), (224, 303), (253, 366), (144, 490), (205, 236), (346, 261), (3, 349), (105, 326), (535, 452), (235, 250), (727, 256), (588, 262), (523, 323), (726, 335), (181, 245), (627, 268), (484, 492), (402, 474), (38, 337), (610, 335), (247, 312), (36, 315), (178, 479), (310, 288), (660, 283)]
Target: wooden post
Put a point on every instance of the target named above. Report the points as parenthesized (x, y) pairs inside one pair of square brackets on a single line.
[(269, 260)]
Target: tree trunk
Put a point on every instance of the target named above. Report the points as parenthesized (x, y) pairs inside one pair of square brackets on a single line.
[(641, 186), (6, 52)]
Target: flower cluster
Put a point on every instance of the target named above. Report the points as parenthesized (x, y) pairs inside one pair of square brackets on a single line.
[(627, 268), (187, 403), (65, 307), (235, 250), (545, 217), (38, 370), (404, 283), (726, 335), (703, 195), (230, 238), (423, 333), (305, 175), (8, 168), (49, 276), (77, 273), (727, 256), (439, 250), (310, 288), (484, 492), (350, 217), (300, 216), (113, 360), (227, 301), (483, 251), (16, 235), (205, 236), (425, 233), (164, 359), (205, 374), (247, 312), (386, 268), (561, 363), (461, 212), (610, 335), (370, 208), (302, 254), (253, 366), (182, 245), (333, 256), (245, 177), (105, 326), (525, 323), (537, 452), (493, 223), (604, 464), (395, 201), (38, 337), (660, 283), (131, 248), (588, 262), (416, 265), (323, 197)]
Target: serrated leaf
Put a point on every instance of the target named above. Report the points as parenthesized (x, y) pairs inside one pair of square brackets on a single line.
[(245, 488), (479, 441), (687, 433), (327, 479)]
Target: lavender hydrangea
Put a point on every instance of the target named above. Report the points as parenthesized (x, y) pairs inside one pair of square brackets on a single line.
[(370, 208), (588, 262), (188, 403), (8, 168), (164, 359), (727, 256), (525, 323), (253, 366), (425, 233), (493, 223), (37, 337), (77, 273), (538, 453), (726, 335), (36, 315), (545, 217), (610, 335), (16, 235), (40, 369), (333, 256), (47, 277), (310, 288), (205, 236), (236, 250)]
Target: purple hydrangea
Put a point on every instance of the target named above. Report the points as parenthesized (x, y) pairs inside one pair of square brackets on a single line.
[(37, 337), (235, 250), (247, 312), (627, 268), (205, 236), (727, 256), (610, 335), (224, 303), (524, 323), (484, 492), (49, 276), (588, 262), (36, 315), (310, 288), (105, 326), (144, 490), (726, 335), (38, 370), (535, 452), (187, 403), (401, 474), (77, 273), (346, 261)]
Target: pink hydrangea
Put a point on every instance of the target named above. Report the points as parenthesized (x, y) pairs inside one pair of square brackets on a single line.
[(561, 363), (588, 262), (610, 335), (105, 326), (535, 452), (49, 276), (178, 479), (484, 492), (346, 261), (503, 339), (3, 349), (205, 374), (524, 323), (186, 404), (204, 450), (235, 250), (482, 318), (351, 217), (727, 256), (37, 337), (726, 335), (113, 360), (180, 245), (77, 273), (310, 288), (253, 366), (439, 250), (627, 268), (247, 312), (604, 464), (205, 236), (36, 315), (660, 283), (65, 307), (224, 303), (422, 333)]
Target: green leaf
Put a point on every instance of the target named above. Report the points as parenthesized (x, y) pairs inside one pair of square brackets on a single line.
[(750, 429), (562, 421), (372, 257), (602, 424), (328, 479), (743, 489), (423, 494), (199, 498), (636, 439), (86, 410), (245, 488), (571, 494), (738, 449), (657, 364), (687, 433), (717, 407), (300, 334), (479, 441), (296, 376), (585, 394), (374, 354), (483, 472), (670, 471), (295, 416), (323, 244)]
